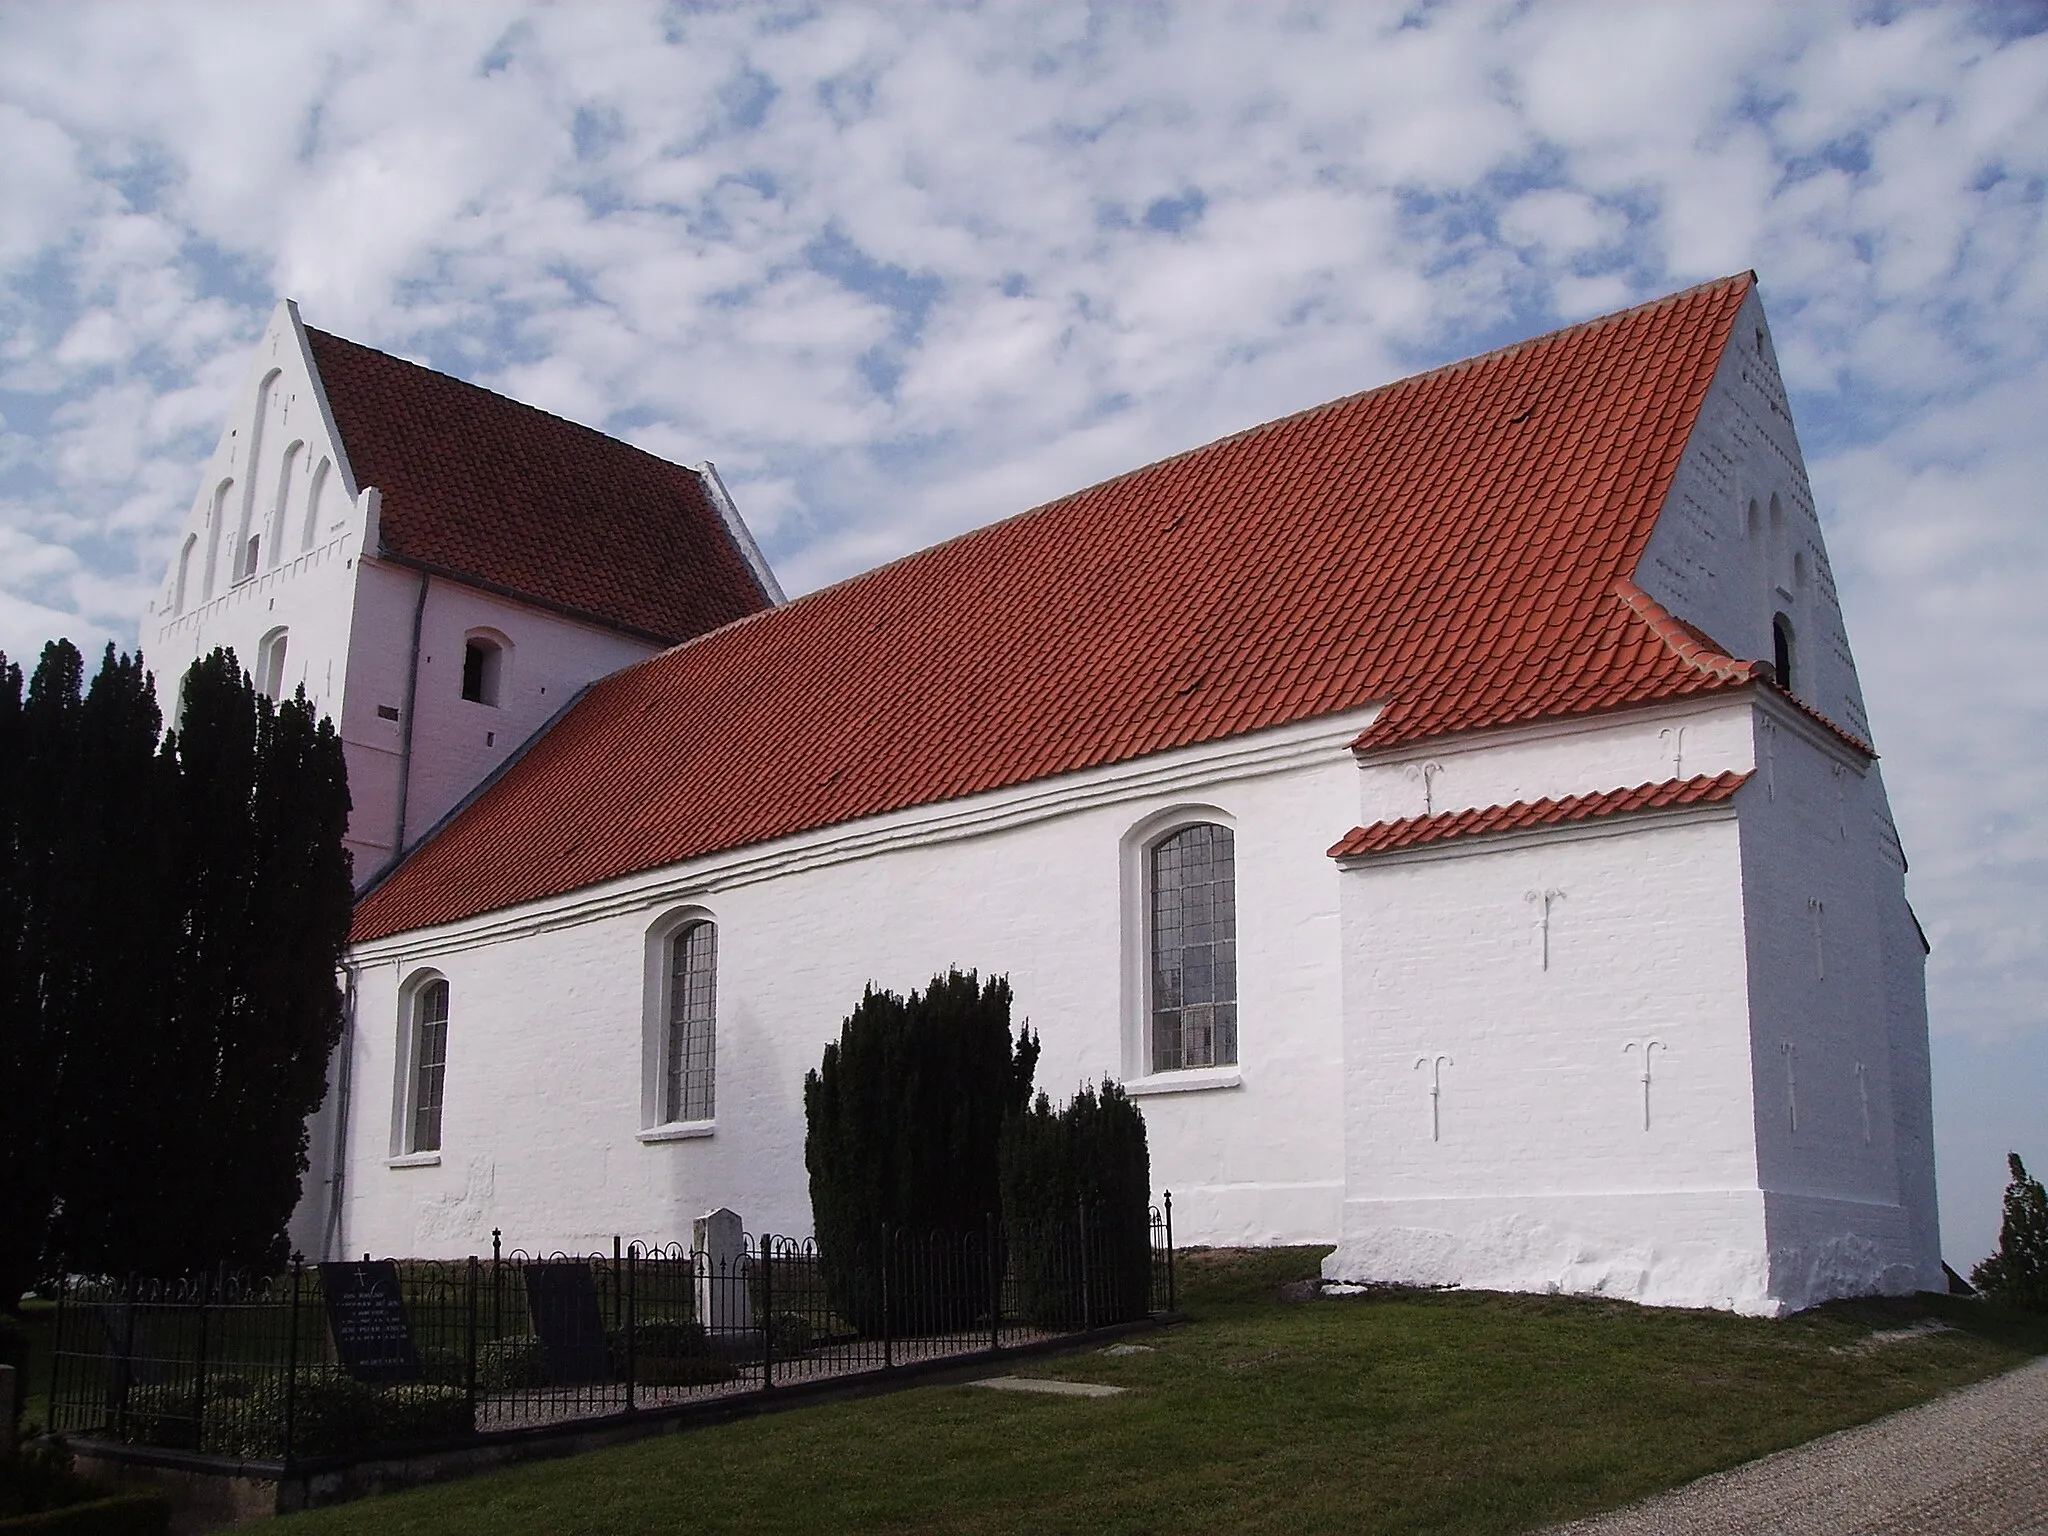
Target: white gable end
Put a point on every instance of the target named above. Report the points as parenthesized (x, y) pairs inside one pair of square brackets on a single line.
[(265, 563), (1739, 544)]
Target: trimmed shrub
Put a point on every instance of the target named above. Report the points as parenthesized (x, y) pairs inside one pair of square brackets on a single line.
[(2017, 1274), (506, 1365), (332, 1414), (1077, 1188), (903, 1123), (668, 1352)]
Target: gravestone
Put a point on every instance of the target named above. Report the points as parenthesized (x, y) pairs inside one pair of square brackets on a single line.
[(367, 1319), (725, 1302), (563, 1299)]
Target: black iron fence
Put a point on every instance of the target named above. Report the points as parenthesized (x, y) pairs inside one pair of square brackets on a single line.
[(381, 1356)]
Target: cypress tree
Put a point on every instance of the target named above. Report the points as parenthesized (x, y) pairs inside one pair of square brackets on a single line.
[(46, 985), (2018, 1273), (1082, 1174), (255, 1012), (25, 1168), (903, 1120), (121, 839)]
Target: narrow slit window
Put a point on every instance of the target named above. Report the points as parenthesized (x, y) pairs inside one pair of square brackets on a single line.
[(1781, 650), (1193, 916), (691, 1055), (430, 1065)]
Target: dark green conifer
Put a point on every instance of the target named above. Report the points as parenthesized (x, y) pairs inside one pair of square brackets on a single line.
[(903, 1121), (2018, 1273), (1079, 1176)]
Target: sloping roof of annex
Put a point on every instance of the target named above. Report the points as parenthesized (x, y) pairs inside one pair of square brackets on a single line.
[(1456, 547), (482, 488), (1529, 815)]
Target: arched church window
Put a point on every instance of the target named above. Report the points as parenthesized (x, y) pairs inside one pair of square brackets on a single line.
[(1191, 878), (429, 1074), (690, 1047), (1781, 650), (270, 664)]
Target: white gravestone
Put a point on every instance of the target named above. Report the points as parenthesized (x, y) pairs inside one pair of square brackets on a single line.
[(724, 1269)]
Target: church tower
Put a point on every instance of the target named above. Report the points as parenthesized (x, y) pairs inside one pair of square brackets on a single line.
[(440, 568)]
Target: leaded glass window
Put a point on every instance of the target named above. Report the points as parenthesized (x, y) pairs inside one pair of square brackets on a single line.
[(429, 1064), (692, 1017), (1193, 888)]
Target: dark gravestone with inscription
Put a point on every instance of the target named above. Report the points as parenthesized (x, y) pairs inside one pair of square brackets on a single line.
[(563, 1298), (366, 1316)]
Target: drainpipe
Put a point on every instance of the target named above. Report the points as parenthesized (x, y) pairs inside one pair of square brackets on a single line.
[(337, 1168), (412, 690)]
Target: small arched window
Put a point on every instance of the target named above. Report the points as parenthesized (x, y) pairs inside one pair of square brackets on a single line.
[(1777, 511), (250, 547), (689, 1046), (270, 664), (1756, 518), (1781, 650), (1191, 880), (483, 669), (428, 1031)]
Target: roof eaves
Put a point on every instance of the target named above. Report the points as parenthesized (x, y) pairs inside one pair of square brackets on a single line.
[(533, 600)]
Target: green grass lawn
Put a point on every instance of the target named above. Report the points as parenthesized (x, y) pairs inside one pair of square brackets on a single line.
[(1409, 1412)]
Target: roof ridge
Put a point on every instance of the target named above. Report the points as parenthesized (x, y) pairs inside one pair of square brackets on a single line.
[(484, 389), (1307, 413)]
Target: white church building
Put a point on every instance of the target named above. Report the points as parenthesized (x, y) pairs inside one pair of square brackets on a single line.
[(1449, 811)]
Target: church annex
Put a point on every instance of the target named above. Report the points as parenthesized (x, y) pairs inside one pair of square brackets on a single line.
[(1448, 810)]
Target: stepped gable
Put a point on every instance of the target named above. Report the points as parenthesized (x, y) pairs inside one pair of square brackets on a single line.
[(1524, 815), (1453, 546), (482, 488)]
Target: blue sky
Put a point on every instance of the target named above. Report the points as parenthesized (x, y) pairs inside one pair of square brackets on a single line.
[(903, 269)]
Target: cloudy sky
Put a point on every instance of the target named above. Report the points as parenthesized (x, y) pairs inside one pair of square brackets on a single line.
[(900, 270)]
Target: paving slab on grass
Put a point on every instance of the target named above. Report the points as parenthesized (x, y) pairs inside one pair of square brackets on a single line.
[(1973, 1463), (1050, 1388)]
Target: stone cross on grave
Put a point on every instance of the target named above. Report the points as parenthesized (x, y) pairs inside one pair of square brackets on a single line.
[(1436, 1065), (1542, 901), (1646, 1046)]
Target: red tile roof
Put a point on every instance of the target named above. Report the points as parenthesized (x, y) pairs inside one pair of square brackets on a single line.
[(1455, 546), (479, 486), (1415, 831)]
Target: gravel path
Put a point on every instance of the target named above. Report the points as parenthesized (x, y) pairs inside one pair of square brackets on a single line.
[(1974, 1463)]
